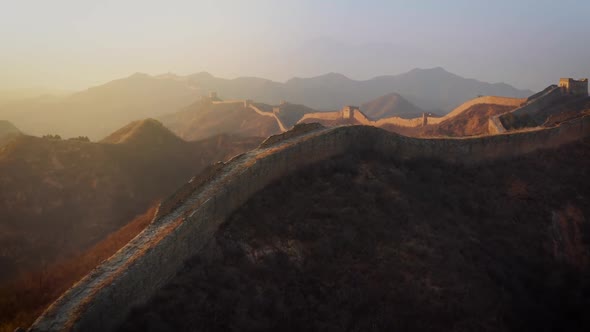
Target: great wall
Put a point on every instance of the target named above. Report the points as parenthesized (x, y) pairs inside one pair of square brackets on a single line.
[(190, 218), (351, 112), (250, 105)]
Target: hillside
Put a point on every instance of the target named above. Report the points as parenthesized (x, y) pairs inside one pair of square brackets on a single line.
[(472, 122), (7, 132), (147, 132), (60, 196), (391, 105), (555, 111), (98, 111), (22, 300), (361, 242), (204, 119)]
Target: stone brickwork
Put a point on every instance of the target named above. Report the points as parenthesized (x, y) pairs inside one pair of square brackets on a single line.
[(101, 300), (574, 87)]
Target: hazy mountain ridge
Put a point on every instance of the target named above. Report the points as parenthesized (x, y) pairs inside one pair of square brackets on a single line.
[(98, 111), (428, 89)]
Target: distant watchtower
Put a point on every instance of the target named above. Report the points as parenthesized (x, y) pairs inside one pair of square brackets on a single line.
[(573, 87), (348, 112), (213, 96)]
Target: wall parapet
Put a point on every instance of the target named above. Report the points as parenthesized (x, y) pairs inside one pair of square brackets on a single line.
[(102, 299)]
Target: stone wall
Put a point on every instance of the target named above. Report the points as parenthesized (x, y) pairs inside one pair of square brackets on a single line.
[(250, 104), (101, 300), (494, 100), (574, 87), (269, 114), (411, 123), (549, 98), (321, 116)]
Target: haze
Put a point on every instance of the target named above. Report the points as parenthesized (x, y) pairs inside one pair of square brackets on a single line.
[(68, 44)]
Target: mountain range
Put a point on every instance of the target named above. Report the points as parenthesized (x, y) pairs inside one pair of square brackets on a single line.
[(100, 110), (429, 89)]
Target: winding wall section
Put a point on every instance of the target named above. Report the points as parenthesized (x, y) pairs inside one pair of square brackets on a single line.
[(248, 104), (101, 300), (415, 122)]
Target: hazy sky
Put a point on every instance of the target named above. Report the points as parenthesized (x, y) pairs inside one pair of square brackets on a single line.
[(77, 43)]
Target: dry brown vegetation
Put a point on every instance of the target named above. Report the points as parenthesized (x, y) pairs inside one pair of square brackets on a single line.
[(23, 299), (367, 243), (58, 197)]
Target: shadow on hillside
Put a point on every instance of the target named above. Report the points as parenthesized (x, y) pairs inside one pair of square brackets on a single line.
[(361, 243)]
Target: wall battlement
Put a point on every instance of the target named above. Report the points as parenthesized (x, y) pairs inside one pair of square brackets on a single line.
[(101, 300)]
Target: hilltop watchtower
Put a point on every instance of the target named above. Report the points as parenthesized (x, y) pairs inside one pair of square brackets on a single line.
[(573, 87)]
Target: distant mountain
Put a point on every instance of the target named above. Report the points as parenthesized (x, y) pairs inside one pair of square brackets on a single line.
[(390, 105), (61, 196), (9, 95), (7, 132), (100, 110)]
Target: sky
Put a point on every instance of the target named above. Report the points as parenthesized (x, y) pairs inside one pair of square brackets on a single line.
[(74, 44)]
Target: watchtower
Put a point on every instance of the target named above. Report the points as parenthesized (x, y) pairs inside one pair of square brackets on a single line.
[(348, 111), (573, 87)]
